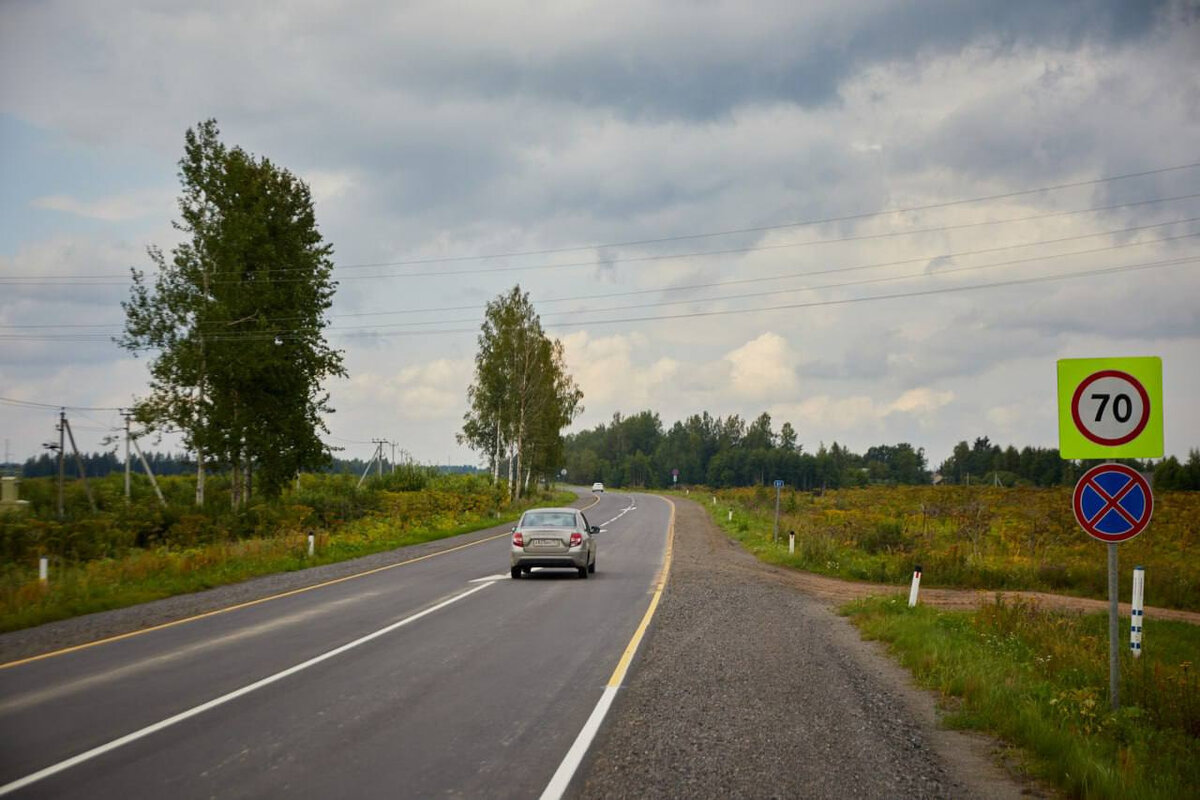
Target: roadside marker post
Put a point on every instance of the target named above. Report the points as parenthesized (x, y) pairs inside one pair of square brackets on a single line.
[(311, 543), (916, 586), (44, 570), (1111, 408), (791, 543), (1137, 614)]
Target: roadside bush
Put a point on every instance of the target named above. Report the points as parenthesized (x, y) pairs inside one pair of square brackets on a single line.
[(886, 536)]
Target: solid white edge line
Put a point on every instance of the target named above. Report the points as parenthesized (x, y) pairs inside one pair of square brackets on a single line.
[(566, 770), (61, 766)]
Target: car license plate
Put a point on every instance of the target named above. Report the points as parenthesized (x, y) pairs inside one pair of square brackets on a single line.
[(547, 542)]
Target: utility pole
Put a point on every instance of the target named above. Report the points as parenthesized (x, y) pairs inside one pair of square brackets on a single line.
[(393, 444), (376, 458), (150, 474), (79, 463), (379, 443), (62, 429), (128, 472)]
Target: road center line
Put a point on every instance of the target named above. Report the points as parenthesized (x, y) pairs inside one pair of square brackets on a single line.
[(61, 766)]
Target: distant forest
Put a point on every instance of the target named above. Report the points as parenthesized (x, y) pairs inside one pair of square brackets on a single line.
[(100, 464), (707, 450), (636, 451)]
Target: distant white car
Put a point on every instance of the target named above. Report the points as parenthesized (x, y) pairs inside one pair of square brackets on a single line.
[(597, 487)]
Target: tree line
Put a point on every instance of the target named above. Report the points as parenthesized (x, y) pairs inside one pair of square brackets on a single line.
[(97, 465), (725, 452), (637, 451)]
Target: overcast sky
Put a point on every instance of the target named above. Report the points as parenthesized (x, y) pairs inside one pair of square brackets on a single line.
[(730, 207)]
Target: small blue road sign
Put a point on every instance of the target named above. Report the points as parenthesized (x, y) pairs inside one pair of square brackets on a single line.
[(1113, 503), (778, 484)]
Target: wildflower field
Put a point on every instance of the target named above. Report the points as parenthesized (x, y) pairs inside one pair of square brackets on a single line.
[(976, 537)]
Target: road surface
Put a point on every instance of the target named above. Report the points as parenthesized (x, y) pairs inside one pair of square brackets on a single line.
[(435, 677)]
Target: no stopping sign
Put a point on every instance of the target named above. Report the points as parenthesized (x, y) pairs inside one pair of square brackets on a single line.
[(1112, 503)]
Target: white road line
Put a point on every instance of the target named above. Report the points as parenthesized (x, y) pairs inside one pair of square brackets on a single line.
[(61, 766), (631, 507), (490, 579), (566, 770)]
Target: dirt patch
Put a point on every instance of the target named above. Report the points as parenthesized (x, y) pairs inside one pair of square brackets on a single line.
[(837, 591)]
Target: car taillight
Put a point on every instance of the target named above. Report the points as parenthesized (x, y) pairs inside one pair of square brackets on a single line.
[(518, 540), (576, 539)]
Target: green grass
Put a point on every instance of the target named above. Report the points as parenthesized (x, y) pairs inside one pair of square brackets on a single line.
[(140, 575), (1039, 680)]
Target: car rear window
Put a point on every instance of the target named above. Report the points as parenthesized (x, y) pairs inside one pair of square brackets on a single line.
[(548, 519)]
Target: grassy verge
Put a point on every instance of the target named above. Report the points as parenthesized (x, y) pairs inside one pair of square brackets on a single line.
[(142, 575), (1040, 681)]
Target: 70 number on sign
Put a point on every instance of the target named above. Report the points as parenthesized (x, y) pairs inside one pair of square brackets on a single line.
[(1111, 407)]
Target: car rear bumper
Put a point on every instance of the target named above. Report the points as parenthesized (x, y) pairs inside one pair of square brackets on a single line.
[(575, 560)]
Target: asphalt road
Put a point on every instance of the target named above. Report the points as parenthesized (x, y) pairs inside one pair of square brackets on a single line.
[(438, 677)]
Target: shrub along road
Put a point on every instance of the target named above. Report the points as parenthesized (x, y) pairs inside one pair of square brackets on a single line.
[(747, 687)]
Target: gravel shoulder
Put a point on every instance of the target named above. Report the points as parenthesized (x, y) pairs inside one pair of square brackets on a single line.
[(749, 685)]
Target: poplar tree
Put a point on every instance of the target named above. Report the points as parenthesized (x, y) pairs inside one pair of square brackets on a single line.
[(235, 320)]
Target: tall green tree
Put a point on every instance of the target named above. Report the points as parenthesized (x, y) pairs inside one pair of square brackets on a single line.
[(522, 396), (235, 320)]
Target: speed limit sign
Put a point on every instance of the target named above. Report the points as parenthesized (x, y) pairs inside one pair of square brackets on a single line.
[(1110, 408)]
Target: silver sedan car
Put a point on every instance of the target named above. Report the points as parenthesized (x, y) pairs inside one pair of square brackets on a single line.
[(553, 537)]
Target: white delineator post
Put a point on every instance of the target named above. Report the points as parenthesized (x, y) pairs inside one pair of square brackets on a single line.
[(791, 542), (311, 541), (44, 570), (1137, 615), (916, 585)]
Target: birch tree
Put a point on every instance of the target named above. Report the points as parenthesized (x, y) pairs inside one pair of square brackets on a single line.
[(522, 396)]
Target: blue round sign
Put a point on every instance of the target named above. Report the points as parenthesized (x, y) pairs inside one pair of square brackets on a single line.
[(1113, 503)]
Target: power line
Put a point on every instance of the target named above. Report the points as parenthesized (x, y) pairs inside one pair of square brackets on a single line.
[(389, 328), (227, 335), (747, 249), (374, 333), (797, 224), (898, 295), (99, 280), (56, 406)]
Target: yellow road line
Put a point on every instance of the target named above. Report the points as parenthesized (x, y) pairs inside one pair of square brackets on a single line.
[(660, 582)]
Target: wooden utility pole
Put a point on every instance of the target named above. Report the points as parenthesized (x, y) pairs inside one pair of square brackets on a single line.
[(150, 474), (128, 465), (79, 463)]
